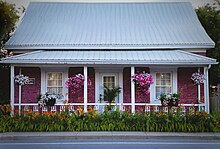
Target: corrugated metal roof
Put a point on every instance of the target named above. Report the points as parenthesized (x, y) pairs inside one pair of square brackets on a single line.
[(109, 26), (163, 57)]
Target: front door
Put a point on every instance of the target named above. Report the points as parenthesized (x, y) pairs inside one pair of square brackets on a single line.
[(109, 80)]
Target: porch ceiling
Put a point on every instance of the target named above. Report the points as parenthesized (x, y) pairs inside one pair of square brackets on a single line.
[(162, 57)]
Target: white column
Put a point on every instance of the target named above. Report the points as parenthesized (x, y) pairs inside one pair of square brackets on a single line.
[(132, 91), (19, 96), (85, 88), (206, 89), (12, 90), (121, 94), (199, 90)]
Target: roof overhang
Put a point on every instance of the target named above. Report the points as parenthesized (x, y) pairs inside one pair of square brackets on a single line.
[(155, 57), (110, 46)]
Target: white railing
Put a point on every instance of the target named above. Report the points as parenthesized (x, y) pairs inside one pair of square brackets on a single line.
[(148, 107)]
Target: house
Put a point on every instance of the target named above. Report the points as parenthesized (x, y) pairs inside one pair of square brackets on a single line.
[(108, 43)]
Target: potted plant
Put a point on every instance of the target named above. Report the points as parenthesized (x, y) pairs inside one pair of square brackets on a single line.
[(47, 99), (169, 99), (110, 95)]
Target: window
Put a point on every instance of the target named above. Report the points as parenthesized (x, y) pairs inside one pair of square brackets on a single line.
[(109, 81), (54, 83), (163, 83)]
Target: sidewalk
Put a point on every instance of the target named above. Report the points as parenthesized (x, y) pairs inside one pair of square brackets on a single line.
[(105, 135)]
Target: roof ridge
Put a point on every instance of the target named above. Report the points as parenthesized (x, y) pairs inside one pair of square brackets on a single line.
[(110, 2)]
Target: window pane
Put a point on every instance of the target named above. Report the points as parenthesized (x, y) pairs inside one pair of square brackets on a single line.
[(168, 82), (163, 83), (158, 82), (109, 81), (167, 76), (54, 83), (59, 83)]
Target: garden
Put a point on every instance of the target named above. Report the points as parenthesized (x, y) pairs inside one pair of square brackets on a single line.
[(93, 120), (111, 119)]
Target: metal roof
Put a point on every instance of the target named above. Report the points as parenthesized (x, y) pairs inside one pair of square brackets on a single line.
[(57, 25), (155, 57)]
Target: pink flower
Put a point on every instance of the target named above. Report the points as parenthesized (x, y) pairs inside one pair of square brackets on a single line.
[(76, 82), (143, 80)]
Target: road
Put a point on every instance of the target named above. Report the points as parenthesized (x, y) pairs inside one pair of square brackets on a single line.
[(70, 143)]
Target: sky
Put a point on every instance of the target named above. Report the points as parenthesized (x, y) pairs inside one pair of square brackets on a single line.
[(195, 3)]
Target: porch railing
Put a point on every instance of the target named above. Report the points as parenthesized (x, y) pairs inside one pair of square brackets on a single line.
[(146, 107)]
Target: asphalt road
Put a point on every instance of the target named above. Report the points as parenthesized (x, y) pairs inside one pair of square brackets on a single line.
[(68, 143)]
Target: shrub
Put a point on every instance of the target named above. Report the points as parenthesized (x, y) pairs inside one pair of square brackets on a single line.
[(111, 121)]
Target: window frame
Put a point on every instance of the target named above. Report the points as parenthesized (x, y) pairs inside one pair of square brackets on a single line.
[(65, 75), (112, 75), (153, 70), (171, 82), (57, 86)]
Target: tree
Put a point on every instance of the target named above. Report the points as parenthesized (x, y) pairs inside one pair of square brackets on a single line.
[(8, 18), (209, 16)]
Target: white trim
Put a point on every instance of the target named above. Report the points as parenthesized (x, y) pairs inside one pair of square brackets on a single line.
[(132, 91), (199, 88), (85, 72), (206, 89), (19, 95), (63, 70), (46, 80), (101, 79), (107, 71), (195, 50), (174, 82), (97, 82), (12, 94), (124, 104), (171, 81), (120, 79)]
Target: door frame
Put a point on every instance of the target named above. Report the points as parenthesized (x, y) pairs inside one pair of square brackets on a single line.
[(110, 71), (101, 81)]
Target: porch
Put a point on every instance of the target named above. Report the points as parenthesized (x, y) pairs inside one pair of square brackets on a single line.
[(130, 99), (177, 65)]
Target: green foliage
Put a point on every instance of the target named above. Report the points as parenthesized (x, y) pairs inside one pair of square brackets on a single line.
[(111, 121), (8, 19), (111, 94), (209, 16)]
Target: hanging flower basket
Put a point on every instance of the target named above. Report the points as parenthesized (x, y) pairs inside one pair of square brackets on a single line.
[(21, 79), (198, 78), (76, 82), (143, 81)]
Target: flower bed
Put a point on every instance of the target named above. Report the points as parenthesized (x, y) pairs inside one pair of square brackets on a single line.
[(110, 121)]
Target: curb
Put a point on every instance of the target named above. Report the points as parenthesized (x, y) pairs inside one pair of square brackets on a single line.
[(108, 135)]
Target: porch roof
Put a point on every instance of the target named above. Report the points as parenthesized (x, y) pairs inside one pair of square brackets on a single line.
[(154, 57), (57, 25)]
